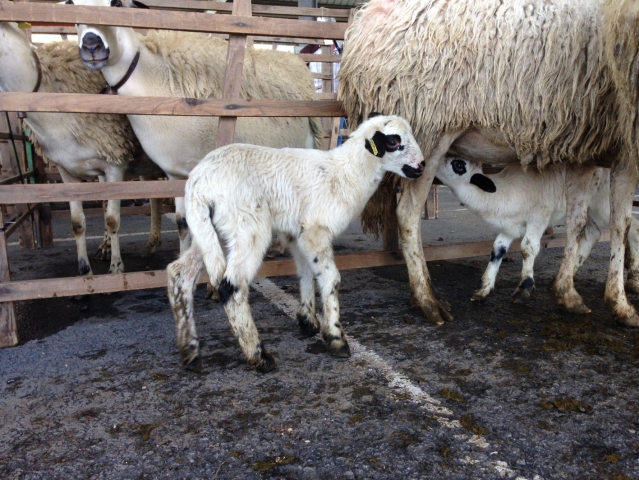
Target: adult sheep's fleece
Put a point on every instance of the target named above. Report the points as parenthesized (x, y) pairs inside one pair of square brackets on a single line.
[(63, 72), (194, 71)]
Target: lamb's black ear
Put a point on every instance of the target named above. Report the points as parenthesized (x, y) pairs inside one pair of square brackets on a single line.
[(69, 2), (137, 4), (377, 144), (483, 182), (374, 114)]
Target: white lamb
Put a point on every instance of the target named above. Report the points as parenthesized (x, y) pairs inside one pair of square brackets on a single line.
[(239, 194), (522, 204)]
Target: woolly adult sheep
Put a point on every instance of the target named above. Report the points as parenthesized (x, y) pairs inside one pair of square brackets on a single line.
[(183, 64), (522, 203), (504, 81), (239, 194), (82, 146)]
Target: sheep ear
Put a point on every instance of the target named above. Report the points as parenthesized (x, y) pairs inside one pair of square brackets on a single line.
[(374, 114), (483, 182), (137, 4), (377, 144)]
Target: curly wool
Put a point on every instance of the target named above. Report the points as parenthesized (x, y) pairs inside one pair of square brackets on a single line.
[(197, 71), (64, 72), (533, 70)]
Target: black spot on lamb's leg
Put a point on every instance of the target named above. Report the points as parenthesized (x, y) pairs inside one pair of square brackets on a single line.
[(194, 365), (527, 284), (84, 268), (307, 327), (500, 254), (226, 290), (524, 289), (337, 346)]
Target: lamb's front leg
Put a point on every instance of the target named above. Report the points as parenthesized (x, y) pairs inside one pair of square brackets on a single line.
[(530, 246), (315, 244), (306, 318), (500, 247)]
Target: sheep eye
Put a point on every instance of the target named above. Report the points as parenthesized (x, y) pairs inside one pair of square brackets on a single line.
[(393, 142), (459, 167), (116, 3)]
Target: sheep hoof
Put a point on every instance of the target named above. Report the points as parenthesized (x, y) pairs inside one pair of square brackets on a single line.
[(194, 365), (338, 348), (307, 327), (267, 364), (631, 321), (479, 296)]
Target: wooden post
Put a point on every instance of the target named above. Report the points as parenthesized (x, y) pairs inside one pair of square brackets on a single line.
[(44, 211), (233, 74), (8, 326)]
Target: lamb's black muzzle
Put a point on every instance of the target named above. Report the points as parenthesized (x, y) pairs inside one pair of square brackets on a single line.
[(93, 52), (412, 172)]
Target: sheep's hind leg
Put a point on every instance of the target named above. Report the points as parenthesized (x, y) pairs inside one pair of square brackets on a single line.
[(632, 250), (622, 185), (243, 261), (315, 246), (500, 247), (306, 318), (182, 276), (580, 184), (155, 232)]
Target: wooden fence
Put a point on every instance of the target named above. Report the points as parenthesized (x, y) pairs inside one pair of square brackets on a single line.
[(56, 18)]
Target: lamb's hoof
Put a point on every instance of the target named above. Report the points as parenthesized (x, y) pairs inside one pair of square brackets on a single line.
[(337, 347), (268, 362), (632, 284), (632, 321), (307, 328), (194, 365), (480, 296), (149, 250), (212, 293)]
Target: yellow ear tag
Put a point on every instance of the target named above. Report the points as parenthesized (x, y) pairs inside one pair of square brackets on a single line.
[(24, 25), (373, 147)]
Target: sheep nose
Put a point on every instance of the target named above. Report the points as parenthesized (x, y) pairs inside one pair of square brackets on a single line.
[(91, 42), (423, 164)]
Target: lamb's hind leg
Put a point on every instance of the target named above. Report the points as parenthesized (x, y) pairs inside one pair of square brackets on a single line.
[(306, 318), (315, 246), (243, 261), (182, 276), (579, 190), (500, 247), (623, 181)]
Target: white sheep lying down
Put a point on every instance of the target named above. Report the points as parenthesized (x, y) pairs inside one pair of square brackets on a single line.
[(522, 204), (239, 195)]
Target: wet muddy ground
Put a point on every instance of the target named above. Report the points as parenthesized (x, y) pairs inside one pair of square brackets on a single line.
[(521, 391)]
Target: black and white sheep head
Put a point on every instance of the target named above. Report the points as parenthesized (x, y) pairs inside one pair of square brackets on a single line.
[(390, 138), (102, 45), (454, 170)]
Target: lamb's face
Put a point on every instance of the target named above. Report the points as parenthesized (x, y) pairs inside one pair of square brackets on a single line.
[(455, 171), (391, 139), (99, 45)]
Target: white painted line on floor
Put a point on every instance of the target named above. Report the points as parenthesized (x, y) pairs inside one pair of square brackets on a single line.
[(396, 381)]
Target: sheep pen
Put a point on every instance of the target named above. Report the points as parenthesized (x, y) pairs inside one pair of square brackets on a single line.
[(238, 195), (82, 146), (503, 82)]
